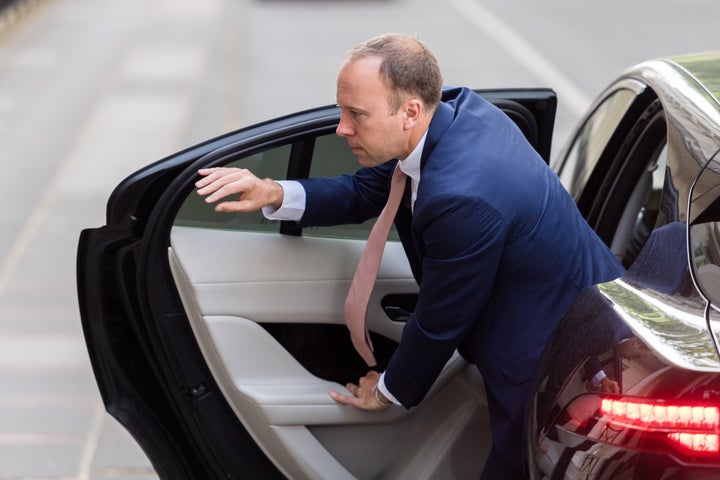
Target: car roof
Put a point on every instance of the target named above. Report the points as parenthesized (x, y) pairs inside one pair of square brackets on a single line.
[(689, 88), (704, 67)]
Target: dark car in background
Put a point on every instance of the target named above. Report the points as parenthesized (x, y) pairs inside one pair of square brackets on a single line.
[(215, 338)]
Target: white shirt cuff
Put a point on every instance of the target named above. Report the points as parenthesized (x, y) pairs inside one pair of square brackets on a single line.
[(598, 378), (386, 393), (293, 206)]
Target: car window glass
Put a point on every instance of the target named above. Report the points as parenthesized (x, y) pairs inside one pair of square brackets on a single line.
[(705, 232), (195, 212), (592, 138), (625, 203), (332, 156), (639, 216)]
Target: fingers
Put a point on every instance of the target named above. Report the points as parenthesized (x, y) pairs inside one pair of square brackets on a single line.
[(218, 183), (363, 396), (211, 174), (347, 399), (250, 193), (236, 206), (344, 399)]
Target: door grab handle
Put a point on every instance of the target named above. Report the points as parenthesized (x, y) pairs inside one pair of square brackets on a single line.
[(399, 306), (397, 314)]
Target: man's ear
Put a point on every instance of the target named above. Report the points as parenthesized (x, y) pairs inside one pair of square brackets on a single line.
[(412, 111)]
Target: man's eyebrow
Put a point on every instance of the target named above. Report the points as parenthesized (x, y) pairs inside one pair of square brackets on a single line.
[(352, 107)]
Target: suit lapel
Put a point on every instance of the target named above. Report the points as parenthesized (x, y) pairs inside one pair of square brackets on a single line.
[(441, 121), (411, 239)]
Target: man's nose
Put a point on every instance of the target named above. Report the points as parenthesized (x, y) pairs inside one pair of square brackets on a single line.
[(343, 129)]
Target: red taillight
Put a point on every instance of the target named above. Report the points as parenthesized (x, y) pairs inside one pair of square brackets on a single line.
[(692, 428), (697, 442), (659, 415)]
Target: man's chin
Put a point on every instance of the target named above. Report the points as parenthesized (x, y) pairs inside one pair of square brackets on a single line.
[(365, 161), (370, 162)]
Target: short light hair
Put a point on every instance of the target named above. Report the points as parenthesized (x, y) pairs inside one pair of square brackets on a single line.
[(408, 67)]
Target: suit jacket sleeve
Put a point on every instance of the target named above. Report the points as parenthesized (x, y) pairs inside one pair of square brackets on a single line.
[(347, 198)]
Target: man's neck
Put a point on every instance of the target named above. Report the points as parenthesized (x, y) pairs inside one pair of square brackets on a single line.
[(418, 132)]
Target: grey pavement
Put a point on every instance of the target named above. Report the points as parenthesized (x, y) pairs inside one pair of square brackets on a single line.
[(91, 90)]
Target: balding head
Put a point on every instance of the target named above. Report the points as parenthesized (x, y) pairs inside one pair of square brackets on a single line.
[(408, 68)]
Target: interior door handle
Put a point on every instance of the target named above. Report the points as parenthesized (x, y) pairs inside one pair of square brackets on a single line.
[(397, 314), (399, 307)]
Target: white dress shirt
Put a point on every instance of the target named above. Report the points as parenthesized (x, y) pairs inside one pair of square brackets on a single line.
[(293, 208)]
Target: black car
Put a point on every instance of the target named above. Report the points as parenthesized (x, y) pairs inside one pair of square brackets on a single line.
[(215, 338)]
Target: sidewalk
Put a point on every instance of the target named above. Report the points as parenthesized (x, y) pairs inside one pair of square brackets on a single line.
[(90, 90)]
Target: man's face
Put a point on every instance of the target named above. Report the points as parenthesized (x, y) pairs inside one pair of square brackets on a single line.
[(374, 132)]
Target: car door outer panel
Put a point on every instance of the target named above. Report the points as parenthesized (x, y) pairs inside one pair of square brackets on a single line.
[(189, 425), (154, 376), (647, 333)]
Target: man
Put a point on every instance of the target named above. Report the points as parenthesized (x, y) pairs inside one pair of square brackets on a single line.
[(496, 244)]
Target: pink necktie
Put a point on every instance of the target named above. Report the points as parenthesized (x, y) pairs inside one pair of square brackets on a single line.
[(356, 304)]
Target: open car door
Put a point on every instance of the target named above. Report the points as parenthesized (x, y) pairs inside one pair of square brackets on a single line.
[(215, 338)]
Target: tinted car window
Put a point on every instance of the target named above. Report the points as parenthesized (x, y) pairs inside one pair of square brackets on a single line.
[(622, 198), (640, 213), (195, 212), (331, 156), (592, 139)]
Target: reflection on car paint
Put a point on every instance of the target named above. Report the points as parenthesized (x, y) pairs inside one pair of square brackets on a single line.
[(639, 331), (657, 300)]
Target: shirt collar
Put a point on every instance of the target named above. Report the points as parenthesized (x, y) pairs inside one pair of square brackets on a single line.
[(411, 165)]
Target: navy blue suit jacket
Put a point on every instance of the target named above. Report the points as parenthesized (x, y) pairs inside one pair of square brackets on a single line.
[(495, 242)]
